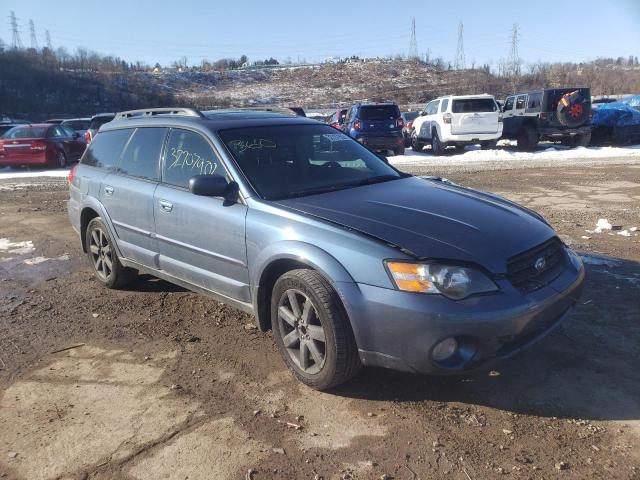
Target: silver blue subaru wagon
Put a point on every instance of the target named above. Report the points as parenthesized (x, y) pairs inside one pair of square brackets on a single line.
[(349, 261)]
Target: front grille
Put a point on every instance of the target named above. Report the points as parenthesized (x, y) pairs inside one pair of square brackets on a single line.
[(522, 271)]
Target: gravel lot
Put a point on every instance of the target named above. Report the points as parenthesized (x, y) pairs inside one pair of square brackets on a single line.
[(170, 384)]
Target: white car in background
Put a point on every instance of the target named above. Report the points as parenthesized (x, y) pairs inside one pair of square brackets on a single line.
[(458, 120)]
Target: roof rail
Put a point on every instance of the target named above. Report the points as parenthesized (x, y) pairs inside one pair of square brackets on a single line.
[(150, 112)]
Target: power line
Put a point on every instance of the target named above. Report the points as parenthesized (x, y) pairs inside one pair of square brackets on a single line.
[(16, 43), (413, 44), (32, 31), (460, 63)]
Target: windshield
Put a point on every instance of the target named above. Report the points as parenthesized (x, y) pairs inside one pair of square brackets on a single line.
[(25, 132), (410, 116), (288, 161), (379, 112), (470, 105)]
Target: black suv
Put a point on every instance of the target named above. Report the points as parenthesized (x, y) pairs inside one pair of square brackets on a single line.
[(551, 114)]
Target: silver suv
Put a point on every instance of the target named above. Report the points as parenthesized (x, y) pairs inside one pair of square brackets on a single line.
[(348, 260)]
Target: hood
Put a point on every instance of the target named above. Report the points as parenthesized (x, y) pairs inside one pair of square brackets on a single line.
[(432, 219)]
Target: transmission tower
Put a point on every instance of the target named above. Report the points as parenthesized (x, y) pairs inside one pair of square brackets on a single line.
[(413, 44), (32, 32), (460, 60), (13, 23), (47, 37), (513, 62)]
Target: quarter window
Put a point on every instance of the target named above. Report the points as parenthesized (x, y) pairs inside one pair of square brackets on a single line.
[(105, 149), (142, 154), (188, 154)]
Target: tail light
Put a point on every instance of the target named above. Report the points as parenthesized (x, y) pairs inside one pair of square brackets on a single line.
[(446, 118), (38, 146), (499, 118), (1, 146), (399, 123), (87, 136), (357, 125), (72, 174)]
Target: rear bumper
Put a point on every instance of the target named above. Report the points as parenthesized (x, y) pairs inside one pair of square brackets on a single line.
[(23, 160), (470, 138), (381, 142), (399, 330)]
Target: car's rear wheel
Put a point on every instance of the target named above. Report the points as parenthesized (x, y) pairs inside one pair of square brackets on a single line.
[(61, 159), (312, 331), (436, 145), (581, 140), (102, 255), (527, 139)]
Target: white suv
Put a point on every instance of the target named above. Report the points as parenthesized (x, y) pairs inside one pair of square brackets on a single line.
[(459, 121)]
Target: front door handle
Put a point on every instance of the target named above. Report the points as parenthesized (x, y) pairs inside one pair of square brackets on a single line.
[(166, 206), (108, 190)]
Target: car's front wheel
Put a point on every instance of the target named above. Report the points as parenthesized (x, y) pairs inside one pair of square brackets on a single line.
[(61, 159), (416, 145), (436, 145), (312, 331), (102, 255)]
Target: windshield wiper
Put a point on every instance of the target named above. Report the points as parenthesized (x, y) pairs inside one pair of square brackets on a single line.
[(331, 188), (371, 180)]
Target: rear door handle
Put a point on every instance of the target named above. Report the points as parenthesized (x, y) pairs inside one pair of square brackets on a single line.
[(108, 190), (166, 206)]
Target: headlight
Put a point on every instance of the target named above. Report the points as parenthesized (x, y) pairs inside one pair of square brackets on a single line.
[(452, 281)]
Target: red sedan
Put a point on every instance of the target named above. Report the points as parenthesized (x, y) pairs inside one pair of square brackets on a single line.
[(40, 144)]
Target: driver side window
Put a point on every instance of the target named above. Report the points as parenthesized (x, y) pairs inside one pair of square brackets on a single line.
[(188, 154)]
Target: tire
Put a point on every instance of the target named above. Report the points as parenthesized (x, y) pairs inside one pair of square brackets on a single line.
[(100, 252), (407, 142), (527, 139), (61, 159), (491, 145), (436, 145), (399, 151), (416, 145), (336, 359), (572, 109)]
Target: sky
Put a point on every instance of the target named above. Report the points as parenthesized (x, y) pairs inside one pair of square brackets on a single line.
[(163, 31)]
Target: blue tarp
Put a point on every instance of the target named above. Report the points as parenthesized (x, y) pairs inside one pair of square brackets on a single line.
[(632, 100), (616, 114)]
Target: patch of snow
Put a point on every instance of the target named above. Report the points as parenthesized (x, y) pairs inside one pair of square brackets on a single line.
[(8, 172), (19, 248), (624, 233), (603, 224), (591, 259), (37, 260)]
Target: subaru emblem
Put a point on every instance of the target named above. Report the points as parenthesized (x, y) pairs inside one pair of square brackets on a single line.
[(540, 264)]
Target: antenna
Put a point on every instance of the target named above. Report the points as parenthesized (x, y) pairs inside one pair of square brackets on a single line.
[(513, 62), (460, 60), (16, 43), (413, 44), (47, 37), (32, 32)]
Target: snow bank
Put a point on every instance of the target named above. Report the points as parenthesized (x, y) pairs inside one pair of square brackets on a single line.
[(9, 173), (544, 153)]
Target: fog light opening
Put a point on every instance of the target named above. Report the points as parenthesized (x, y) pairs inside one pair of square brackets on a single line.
[(445, 349)]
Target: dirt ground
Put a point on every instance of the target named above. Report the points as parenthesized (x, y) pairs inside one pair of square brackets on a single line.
[(169, 384)]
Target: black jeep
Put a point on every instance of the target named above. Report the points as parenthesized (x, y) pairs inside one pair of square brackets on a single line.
[(551, 114)]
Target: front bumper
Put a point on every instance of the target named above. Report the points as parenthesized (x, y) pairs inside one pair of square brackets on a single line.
[(399, 330)]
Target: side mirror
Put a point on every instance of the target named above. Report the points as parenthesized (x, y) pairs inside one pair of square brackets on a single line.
[(211, 186)]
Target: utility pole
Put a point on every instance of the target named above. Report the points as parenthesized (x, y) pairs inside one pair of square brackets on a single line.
[(413, 44), (32, 32), (47, 37), (460, 63), (16, 43), (513, 62)]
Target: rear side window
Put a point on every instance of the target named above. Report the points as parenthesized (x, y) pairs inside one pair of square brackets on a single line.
[(470, 105), (105, 149), (534, 100), (188, 154), (142, 154), (379, 112), (521, 101), (445, 105)]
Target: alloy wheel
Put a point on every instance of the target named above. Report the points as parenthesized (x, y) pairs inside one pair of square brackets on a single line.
[(302, 332), (101, 253)]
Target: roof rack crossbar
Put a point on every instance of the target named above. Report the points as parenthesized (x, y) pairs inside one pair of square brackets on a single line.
[(150, 112)]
